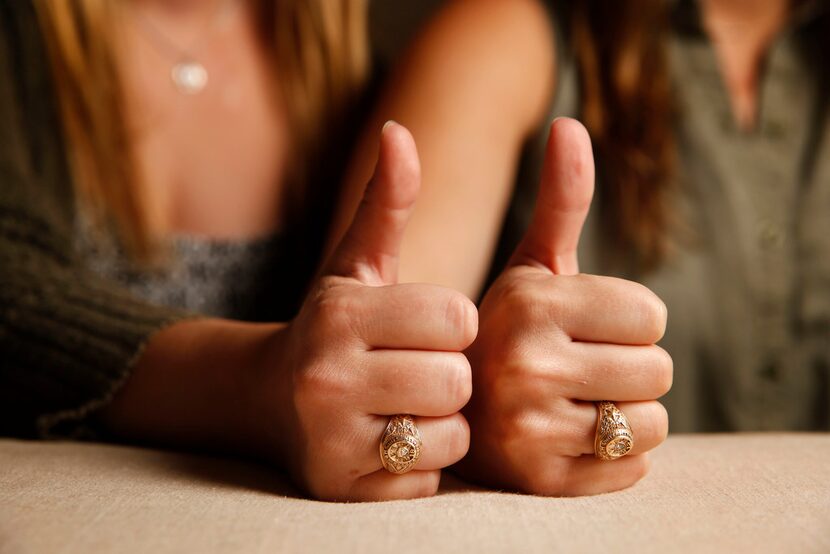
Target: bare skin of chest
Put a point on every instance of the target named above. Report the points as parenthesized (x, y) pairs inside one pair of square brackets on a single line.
[(741, 32), (211, 162)]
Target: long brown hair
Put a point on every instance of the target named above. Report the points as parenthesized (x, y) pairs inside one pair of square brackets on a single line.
[(320, 47), (627, 107)]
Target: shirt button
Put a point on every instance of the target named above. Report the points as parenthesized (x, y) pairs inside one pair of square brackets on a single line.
[(769, 306), (775, 130), (769, 372), (770, 235), (727, 122)]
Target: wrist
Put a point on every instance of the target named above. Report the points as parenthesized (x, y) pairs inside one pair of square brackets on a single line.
[(193, 386), (266, 419)]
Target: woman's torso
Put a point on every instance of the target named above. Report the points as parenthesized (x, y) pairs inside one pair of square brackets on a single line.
[(211, 162), (748, 290), (211, 165)]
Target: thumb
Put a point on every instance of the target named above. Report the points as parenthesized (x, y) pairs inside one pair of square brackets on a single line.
[(369, 249), (565, 192)]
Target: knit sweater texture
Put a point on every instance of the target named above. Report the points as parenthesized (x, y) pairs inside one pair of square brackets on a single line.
[(67, 337)]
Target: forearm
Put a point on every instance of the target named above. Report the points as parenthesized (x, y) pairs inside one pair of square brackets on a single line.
[(194, 386), (470, 107)]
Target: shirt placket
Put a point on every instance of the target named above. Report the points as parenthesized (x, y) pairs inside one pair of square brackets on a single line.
[(772, 163)]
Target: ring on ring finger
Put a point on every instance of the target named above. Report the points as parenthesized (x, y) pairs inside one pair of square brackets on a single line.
[(614, 438), (401, 445)]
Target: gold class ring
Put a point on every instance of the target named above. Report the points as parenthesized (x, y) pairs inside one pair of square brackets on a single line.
[(614, 438), (401, 444)]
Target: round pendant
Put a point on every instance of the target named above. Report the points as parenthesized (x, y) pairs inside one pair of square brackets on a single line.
[(189, 77)]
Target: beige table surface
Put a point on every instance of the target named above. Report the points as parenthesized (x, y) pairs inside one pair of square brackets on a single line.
[(705, 493)]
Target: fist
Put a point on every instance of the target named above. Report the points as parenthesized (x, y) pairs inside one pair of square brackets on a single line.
[(552, 342), (363, 349)]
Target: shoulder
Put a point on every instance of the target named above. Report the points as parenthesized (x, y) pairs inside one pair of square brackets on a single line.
[(492, 31), (504, 50), (498, 19)]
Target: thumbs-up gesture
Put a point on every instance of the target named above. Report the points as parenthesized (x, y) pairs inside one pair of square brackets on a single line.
[(552, 342), (363, 349)]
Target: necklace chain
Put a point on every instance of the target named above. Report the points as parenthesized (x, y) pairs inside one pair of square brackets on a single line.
[(188, 75)]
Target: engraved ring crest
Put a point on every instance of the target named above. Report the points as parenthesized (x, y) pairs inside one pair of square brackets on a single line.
[(401, 445)]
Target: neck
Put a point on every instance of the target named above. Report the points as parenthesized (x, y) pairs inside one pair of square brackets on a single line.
[(750, 22), (742, 31)]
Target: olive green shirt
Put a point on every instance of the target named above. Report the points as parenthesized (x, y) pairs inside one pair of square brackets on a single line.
[(749, 295)]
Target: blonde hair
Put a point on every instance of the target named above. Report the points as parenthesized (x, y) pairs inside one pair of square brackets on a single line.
[(319, 46)]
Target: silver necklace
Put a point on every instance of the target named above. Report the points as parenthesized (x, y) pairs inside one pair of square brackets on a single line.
[(188, 74)]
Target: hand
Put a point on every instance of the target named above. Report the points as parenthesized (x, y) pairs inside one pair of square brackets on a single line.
[(551, 342), (363, 349)]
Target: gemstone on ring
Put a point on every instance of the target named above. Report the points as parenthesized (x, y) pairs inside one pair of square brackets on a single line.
[(618, 447)]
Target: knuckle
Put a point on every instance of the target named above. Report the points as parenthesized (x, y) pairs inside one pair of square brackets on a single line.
[(509, 429), (662, 317), (517, 367), (592, 286), (645, 305), (336, 311), (525, 350), (498, 387), (589, 281), (308, 383), (461, 318), (664, 371), (521, 425), (655, 421), (537, 372), (505, 356), (305, 390), (428, 485), (655, 314), (570, 372), (459, 381), (661, 422), (518, 297), (320, 384), (572, 435), (458, 439), (641, 468)]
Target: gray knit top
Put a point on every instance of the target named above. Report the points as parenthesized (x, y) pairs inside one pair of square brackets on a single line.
[(215, 277)]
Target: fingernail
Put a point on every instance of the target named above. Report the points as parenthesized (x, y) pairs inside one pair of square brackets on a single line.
[(388, 124)]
